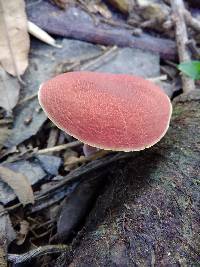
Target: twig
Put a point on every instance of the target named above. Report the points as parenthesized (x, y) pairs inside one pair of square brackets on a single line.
[(52, 139), (40, 251), (84, 159), (116, 23), (77, 175), (157, 79), (192, 22), (182, 39), (80, 172), (106, 56), (28, 98), (58, 148), (5, 121), (42, 35), (194, 49)]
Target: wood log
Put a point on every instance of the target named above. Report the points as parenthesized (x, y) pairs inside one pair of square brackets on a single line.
[(148, 215), (76, 23)]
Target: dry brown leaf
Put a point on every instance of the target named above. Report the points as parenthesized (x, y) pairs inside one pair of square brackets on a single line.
[(19, 183), (14, 38), (9, 90)]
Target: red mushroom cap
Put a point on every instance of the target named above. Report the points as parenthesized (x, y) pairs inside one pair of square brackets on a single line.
[(109, 111)]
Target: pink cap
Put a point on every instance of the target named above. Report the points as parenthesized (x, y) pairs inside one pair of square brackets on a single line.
[(109, 111)]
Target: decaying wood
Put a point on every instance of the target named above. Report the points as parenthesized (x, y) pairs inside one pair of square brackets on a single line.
[(64, 24), (178, 9), (148, 214)]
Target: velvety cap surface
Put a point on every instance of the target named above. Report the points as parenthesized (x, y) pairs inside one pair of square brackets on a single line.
[(109, 111)]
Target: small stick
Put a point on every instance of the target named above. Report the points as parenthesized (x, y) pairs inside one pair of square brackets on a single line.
[(182, 40), (40, 251), (194, 49), (106, 56), (53, 136), (28, 98), (192, 22), (59, 148), (41, 34), (157, 79), (116, 23), (5, 121), (84, 159)]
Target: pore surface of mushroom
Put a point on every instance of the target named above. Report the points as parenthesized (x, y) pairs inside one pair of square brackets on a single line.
[(109, 111)]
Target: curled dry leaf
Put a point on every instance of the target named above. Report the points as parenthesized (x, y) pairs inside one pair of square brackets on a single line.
[(14, 41), (9, 90), (19, 183)]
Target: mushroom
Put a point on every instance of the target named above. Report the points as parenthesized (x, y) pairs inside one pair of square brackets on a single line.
[(108, 111)]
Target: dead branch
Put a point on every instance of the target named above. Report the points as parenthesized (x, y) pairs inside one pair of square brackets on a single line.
[(178, 9), (59, 148), (192, 22)]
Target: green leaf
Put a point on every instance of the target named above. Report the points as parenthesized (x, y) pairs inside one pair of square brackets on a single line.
[(191, 68)]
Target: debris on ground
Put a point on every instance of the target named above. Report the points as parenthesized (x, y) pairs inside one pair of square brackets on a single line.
[(59, 207)]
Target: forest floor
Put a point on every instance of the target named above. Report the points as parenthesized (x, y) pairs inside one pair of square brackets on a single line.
[(61, 208)]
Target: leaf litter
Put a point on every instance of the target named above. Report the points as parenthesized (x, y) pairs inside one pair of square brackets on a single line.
[(54, 176)]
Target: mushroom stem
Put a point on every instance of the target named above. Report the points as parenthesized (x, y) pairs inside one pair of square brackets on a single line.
[(89, 150)]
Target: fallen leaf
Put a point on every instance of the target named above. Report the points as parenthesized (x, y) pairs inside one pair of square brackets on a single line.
[(9, 90), (32, 170), (19, 183), (14, 41)]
